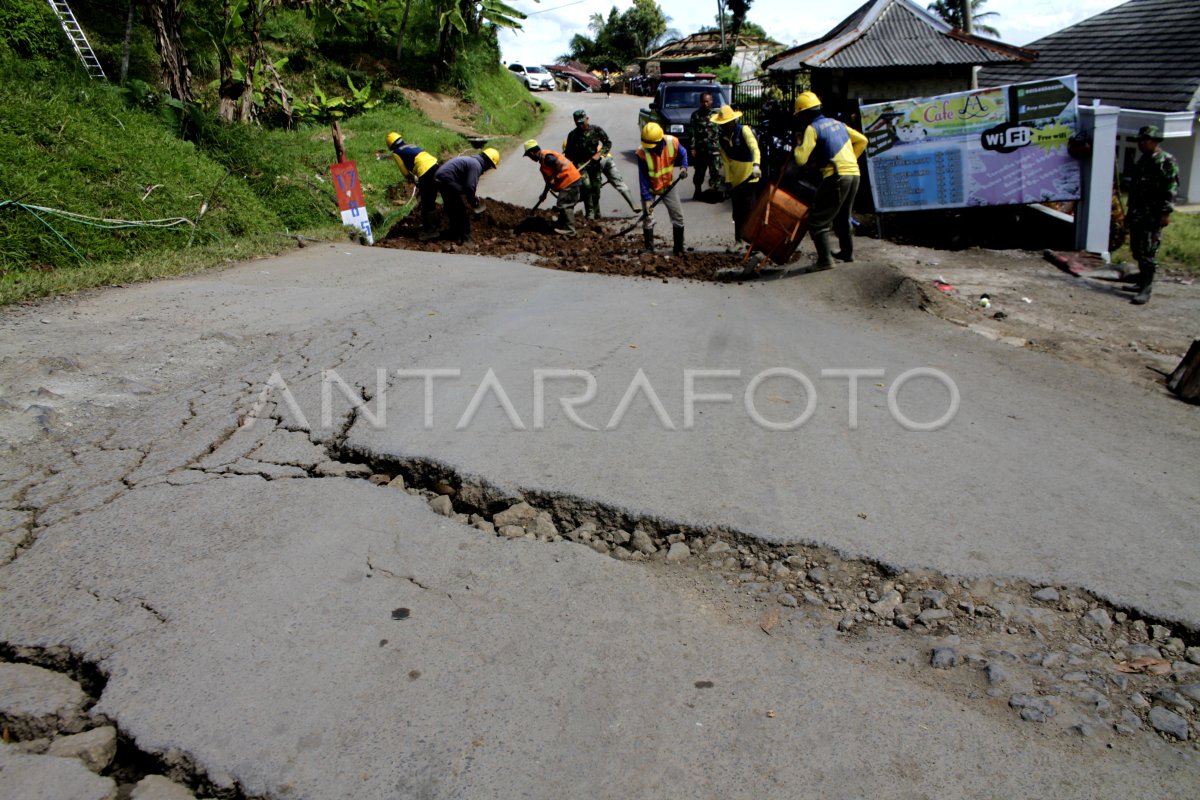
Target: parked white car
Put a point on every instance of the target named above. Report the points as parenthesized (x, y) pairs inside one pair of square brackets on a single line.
[(533, 76)]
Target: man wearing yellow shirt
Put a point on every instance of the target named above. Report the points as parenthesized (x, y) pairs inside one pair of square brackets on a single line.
[(421, 168), (833, 148), (739, 152)]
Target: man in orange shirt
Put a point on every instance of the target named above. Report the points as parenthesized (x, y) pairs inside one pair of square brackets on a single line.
[(563, 179)]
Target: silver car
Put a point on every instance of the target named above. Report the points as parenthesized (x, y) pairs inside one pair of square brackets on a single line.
[(533, 76)]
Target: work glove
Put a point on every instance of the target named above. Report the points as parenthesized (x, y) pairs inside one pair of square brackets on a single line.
[(756, 172), (683, 173)]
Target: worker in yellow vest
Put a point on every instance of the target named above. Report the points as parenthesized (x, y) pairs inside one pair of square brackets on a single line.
[(833, 148), (420, 168), (741, 157), (657, 158), (561, 177)]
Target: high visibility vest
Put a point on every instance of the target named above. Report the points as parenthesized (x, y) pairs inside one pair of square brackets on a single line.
[(659, 166), (412, 160), (558, 180)]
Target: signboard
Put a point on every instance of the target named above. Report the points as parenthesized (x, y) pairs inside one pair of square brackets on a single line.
[(988, 147), (350, 198)]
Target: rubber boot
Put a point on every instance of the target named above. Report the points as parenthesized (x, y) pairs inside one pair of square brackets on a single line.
[(648, 239), (824, 257), (678, 249), (846, 254), (1143, 295), (566, 223)]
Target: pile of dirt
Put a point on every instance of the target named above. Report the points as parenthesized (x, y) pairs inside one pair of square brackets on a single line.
[(504, 230)]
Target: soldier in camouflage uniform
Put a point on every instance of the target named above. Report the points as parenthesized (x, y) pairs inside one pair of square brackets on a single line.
[(589, 149), (1151, 201), (706, 148)]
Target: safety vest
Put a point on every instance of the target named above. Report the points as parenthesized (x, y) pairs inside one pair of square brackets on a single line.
[(660, 164), (831, 138), (412, 160), (735, 146), (558, 180)]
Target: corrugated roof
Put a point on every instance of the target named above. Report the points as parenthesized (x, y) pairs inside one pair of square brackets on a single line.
[(894, 33), (1140, 55)]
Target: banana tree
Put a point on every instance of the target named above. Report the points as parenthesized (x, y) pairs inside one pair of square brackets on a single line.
[(332, 109), (466, 17)]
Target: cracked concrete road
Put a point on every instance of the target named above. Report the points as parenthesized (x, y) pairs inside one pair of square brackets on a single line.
[(242, 607)]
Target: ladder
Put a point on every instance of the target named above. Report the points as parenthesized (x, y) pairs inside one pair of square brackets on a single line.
[(78, 40)]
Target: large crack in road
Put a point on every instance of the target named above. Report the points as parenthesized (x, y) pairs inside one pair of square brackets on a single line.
[(148, 506)]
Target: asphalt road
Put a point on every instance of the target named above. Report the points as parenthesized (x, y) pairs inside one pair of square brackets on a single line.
[(247, 625)]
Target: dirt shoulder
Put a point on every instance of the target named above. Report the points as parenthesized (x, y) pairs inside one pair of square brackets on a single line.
[(1036, 305)]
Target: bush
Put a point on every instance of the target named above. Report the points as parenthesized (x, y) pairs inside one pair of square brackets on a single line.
[(29, 29)]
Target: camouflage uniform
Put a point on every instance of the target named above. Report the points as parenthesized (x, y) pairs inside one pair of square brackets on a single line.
[(706, 152), (581, 145), (1154, 181)]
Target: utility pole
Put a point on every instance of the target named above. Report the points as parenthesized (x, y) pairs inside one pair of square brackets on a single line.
[(721, 20), (968, 27)]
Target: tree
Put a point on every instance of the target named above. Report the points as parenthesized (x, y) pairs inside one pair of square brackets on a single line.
[(621, 37), (165, 18), (952, 12), (737, 12), (749, 28), (467, 17)]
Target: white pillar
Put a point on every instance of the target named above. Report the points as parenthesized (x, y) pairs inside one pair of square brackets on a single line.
[(1094, 214)]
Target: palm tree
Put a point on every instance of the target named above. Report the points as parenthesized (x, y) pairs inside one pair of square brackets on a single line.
[(952, 12)]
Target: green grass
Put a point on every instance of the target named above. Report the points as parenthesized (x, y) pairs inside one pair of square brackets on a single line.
[(1180, 248), (91, 148), (506, 106)]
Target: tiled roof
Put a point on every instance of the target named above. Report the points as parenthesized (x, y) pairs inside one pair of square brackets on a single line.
[(1144, 54), (894, 33)]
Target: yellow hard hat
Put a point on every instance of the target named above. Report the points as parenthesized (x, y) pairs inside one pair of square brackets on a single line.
[(394, 137), (726, 114), (805, 101), (493, 155), (531, 144), (651, 135)]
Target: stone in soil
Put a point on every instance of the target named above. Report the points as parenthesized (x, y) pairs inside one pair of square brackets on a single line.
[(1168, 722)]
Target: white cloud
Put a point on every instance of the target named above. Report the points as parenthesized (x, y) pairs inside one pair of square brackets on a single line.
[(547, 34)]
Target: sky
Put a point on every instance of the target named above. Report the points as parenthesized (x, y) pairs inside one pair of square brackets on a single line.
[(552, 23)]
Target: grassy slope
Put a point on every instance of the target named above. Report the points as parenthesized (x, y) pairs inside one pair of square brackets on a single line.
[(82, 147)]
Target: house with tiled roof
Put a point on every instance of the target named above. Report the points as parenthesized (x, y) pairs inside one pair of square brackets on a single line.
[(701, 52), (890, 50), (1142, 57)]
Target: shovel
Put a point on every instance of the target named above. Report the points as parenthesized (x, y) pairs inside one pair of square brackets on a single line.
[(642, 218), (533, 211)]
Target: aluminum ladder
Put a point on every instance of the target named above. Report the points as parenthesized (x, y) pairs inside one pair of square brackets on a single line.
[(78, 40)]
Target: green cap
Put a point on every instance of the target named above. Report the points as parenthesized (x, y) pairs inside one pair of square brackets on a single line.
[(1150, 132), (580, 114)]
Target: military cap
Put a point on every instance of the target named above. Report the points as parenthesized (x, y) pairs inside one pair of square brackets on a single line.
[(1150, 132), (580, 114)]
